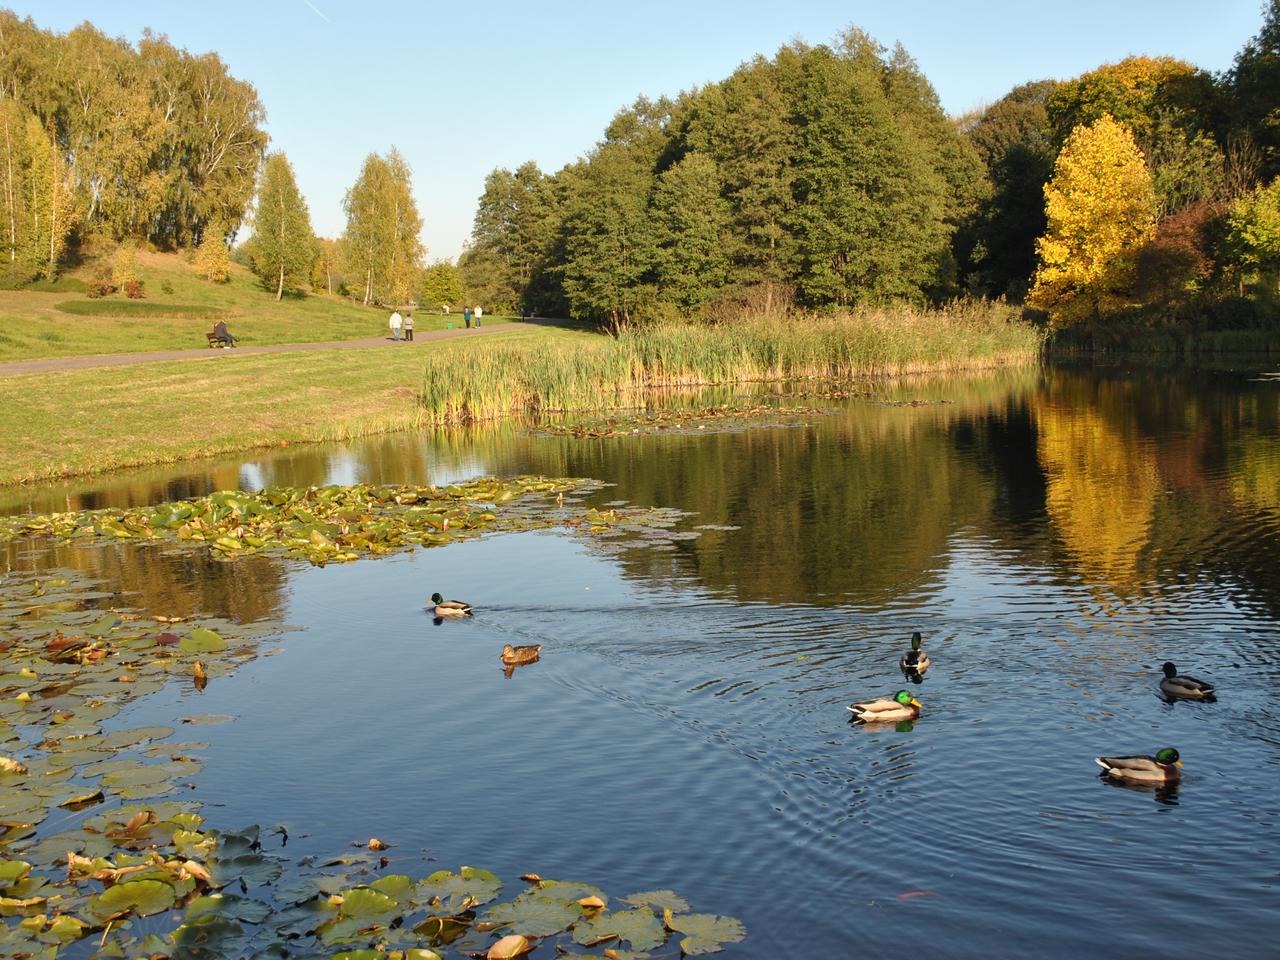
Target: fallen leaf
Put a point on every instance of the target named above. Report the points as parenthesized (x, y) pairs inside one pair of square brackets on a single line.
[(912, 894), (83, 800), (376, 844), (509, 947), (531, 878), (591, 903), (9, 765)]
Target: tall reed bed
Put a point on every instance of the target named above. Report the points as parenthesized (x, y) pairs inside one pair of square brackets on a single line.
[(496, 380)]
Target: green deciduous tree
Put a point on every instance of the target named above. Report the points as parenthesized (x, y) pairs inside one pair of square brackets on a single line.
[(1254, 230), (1255, 89), (690, 224), (213, 259), (441, 285), (283, 246), (1101, 208), (382, 250)]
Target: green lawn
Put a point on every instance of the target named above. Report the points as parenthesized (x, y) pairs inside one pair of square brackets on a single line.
[(90, 421), (60, 321)]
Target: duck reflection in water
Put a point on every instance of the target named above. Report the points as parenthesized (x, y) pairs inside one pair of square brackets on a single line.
[(1165, 794)]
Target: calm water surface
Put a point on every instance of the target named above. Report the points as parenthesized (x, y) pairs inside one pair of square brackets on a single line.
[(1056, 536)]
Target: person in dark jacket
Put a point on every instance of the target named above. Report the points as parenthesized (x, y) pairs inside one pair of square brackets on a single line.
[(220, 333)]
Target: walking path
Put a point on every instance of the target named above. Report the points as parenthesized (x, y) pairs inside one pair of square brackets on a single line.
[(54, 364)]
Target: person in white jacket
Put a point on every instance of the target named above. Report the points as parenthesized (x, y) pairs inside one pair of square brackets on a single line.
[(396, 322), (479, 314)]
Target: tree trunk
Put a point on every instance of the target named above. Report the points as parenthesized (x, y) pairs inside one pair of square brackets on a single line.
[(328, 278), (368, 285), (13, 221), (280, 284)]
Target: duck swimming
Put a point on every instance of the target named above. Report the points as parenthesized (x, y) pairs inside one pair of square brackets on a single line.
[(1188, 687), (901, 706), (515, 656), (915, 660), (449, 608), (1162, 768)]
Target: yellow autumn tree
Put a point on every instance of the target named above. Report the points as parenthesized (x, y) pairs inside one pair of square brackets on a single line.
[(1101, 207)]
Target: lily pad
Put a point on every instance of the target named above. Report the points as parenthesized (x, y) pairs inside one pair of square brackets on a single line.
[(468, 887), (363, 902), (140, 897), (705, 932), (200, 640), (659, 900), (638, 927), (534, 915)]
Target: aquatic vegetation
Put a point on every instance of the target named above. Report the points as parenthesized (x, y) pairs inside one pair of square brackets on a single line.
[(128, 871), (335, 524), (504, 380), (721, 417)]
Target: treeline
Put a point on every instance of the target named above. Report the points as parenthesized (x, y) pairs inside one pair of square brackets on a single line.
[(832, 175), (99, 137), (104, 140)]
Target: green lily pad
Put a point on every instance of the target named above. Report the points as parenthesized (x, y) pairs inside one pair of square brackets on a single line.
[(533, 915), (469, 887), (141, 897), (659, 900), (638, 927), (200, 640), (227, 905), (11, 871), (364, 902), (705, 932), (395, 885)]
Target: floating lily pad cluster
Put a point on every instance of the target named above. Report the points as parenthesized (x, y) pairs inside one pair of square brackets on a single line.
[(97, 859), (331, 524), (726, 416)]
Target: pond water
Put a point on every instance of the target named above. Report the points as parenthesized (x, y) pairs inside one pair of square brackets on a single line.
[(1055, 534)]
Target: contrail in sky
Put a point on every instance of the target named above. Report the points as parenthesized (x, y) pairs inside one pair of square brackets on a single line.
[(316, 11)]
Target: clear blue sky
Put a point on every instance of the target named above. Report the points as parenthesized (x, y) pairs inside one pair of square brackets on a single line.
[(462, 87)]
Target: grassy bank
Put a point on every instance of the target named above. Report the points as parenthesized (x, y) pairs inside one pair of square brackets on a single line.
[(90, 421), (512, 378), (58, 320)]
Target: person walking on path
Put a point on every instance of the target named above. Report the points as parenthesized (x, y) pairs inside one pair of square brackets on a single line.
[(395, 325), (466, 316), (408, 326), (479, 314)]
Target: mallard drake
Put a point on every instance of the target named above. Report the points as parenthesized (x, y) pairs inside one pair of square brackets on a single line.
[(901, 706), (449, 608), (514, 656), (915, 660), (1189, 687), (1161, 768)]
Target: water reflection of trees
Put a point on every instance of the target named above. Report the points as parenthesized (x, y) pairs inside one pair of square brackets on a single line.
[(1124, 480), (173, 582)]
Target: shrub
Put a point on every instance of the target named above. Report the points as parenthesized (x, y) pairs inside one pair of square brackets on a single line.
[(133, 289), (101, 285), (124, 264), (166, 286)]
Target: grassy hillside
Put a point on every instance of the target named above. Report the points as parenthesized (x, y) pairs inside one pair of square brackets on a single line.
[(89, 421), (60, 320)]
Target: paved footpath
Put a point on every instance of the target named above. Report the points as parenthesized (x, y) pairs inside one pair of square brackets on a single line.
[(53, 364)]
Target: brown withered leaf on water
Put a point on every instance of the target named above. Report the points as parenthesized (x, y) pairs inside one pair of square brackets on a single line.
[(531, 878), (9, 765), (163, 619), (85, 800), (509, 947), (375, 844)]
